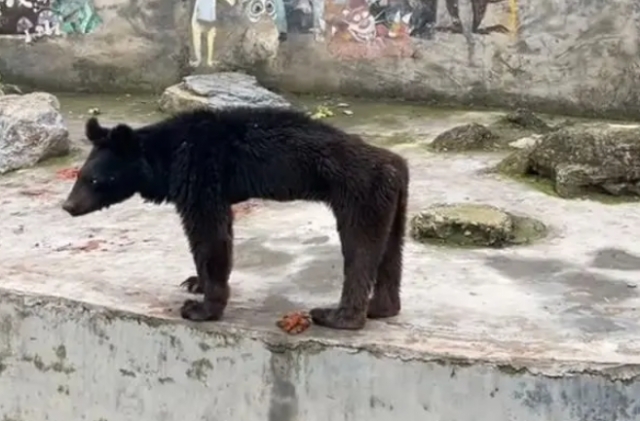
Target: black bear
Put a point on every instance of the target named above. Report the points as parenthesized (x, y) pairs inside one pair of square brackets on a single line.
[(204, 161)]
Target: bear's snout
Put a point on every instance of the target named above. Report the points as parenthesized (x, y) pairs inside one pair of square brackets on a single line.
[(71, 207)]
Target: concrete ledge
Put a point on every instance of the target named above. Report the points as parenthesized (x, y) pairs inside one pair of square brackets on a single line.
[(63, 359)]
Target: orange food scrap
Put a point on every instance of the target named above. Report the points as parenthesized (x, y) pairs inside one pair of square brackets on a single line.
[(67, 173), (294, 323)]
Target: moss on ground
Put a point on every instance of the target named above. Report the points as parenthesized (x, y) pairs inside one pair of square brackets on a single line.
[(547, 186)]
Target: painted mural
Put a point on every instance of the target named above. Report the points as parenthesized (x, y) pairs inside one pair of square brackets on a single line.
[(287, 16), (360, 29), (365, 29), (47, 17), (203, 22)]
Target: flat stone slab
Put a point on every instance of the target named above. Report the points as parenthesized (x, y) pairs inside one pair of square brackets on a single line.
[(473, 225), (219, 90), (542, 332)]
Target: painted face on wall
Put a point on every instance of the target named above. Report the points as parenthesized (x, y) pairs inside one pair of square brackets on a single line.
[(256, 9), (360, 24)]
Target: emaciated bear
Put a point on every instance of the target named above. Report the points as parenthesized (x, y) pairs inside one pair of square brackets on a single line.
[(204, 161)]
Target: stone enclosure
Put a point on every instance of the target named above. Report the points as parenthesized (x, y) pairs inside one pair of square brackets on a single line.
[(576, 56), (537, 331), (531, 315)]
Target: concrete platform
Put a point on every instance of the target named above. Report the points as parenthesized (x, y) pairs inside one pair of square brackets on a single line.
[(89, 327)]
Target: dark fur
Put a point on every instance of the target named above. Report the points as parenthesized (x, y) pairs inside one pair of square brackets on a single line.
[(205, 161)]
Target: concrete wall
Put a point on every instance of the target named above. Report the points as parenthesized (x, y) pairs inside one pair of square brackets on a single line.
[(63, 360), (564, 55)]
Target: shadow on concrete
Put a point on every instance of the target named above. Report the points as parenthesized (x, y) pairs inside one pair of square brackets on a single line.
[(612, 258), (588, 300)]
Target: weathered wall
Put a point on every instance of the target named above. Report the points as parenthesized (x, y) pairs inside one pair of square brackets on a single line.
[(559, 55), (565, 55)]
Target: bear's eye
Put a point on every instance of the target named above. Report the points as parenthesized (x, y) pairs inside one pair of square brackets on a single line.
[(98, 183)]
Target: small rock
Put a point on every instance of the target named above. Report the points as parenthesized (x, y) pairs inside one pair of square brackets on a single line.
[(31, 129), (469, 224), (218, 90), (468, 137), (526, 142), (632, 285), (527, 120), (342, 105), (94, 111), (517, 125), (347, 112)]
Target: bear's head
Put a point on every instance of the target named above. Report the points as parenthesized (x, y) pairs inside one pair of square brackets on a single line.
[(112, 172)]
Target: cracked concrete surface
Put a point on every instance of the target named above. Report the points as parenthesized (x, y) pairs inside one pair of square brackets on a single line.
[(561, 307)]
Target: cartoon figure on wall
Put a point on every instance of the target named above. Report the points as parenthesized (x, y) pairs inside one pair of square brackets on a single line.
[(37, 18), (255, 10), (356, 33), (203, 21), (368, 29)]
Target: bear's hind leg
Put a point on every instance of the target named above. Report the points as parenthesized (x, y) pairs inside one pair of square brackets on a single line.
[(211, 241), (386, 292), (363, 233)]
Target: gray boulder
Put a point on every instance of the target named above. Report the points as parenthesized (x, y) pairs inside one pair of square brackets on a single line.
[(579, 160), (468, 137), (31, 129), (218, 90)]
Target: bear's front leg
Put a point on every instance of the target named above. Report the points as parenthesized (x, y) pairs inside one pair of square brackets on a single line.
[(211, 243)]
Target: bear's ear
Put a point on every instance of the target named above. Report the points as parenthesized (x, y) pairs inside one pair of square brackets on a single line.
[(124, 141), (94, 131)]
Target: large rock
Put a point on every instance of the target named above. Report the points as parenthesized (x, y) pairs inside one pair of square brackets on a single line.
[(31, 129), (218, 90), (579, 160), (474, 225)]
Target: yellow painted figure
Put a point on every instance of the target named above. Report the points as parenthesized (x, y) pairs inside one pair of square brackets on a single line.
[(514, 24), (203, 20)]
